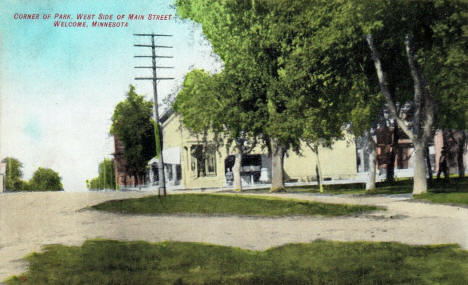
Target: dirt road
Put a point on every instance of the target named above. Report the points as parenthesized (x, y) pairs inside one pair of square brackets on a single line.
[(30, 220)]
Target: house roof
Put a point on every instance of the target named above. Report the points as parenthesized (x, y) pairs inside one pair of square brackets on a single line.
[(166, 115)]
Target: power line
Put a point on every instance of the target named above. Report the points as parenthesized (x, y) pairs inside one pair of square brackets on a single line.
[(154, 78)]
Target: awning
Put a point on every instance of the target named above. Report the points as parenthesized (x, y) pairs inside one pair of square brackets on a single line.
[(170, 155)]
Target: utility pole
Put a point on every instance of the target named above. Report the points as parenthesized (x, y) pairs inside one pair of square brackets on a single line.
[(153, 56)]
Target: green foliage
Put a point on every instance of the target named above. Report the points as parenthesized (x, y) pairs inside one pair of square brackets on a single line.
[(198, 102), (214, 103), (228, 204), (106, 177), (235, 30), (320, 66), (13, 175), (45, 179), (131, 122), (319, 262), (437, 27), (305, 67), (447, 67)]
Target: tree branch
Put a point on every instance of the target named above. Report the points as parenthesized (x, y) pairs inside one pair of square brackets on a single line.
[(422, 95), (384, 87), (417, 86)]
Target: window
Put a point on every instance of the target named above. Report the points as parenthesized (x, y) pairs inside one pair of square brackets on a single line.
[(203, 160)]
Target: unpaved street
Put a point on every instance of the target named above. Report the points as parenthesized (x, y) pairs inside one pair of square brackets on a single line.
[(30, 220)]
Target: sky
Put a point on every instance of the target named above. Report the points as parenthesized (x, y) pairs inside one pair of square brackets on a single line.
[(59, 85)]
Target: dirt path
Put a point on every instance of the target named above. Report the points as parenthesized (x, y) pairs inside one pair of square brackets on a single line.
[(30, 220)]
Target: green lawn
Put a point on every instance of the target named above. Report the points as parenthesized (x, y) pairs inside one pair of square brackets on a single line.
[(215, 204), (445, 198), (320, 262), (397, 187), (453, 191)]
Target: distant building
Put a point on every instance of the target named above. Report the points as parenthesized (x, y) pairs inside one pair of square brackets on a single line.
[(403, 164), (404, 154), (124, 179)]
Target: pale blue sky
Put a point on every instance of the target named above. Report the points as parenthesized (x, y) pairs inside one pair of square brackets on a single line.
[(59, 86)]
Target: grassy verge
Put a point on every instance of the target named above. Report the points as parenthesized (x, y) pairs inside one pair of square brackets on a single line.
[(445, 198), (320, 262), (227, 205), (396, 187), (454, 191), (401, 186)]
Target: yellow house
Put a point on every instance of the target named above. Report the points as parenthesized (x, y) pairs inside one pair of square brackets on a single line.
[(193, 163)]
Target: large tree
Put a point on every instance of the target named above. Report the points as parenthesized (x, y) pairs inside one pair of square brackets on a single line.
[(45, 179), (14, 173), (448, 70), (131, 122), (321, 77), (265, 49), (237, 32), (297, 57), (214, 105), (325, 63), (426, 33), (403, 37)]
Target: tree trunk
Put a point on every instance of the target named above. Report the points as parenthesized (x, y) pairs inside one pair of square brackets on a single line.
[(277, 173), (420, 182), (391, 164), (446, 149), (428, 164), (319, 170), (423, 114), (236, 171), (372, 152), (317, 174), (460, 152)]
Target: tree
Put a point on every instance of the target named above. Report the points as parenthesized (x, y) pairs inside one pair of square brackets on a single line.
[(294, 56), (132, 123), (427, 37), (264, 47), (394, 28), (14, 174), (235, 31), (211, 103), (448, 70), (329, 58), (45, 179), (106, 177)]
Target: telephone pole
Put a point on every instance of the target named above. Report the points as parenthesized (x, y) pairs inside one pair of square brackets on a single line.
[(153, 56)]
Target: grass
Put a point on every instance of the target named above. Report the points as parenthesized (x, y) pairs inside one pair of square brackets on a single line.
[(397, 187), (210, 204), (454, 191), (319, 262), (401, 186), (445, 198)]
